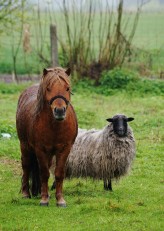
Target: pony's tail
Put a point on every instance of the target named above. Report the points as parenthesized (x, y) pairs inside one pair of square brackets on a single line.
[(35, 184)]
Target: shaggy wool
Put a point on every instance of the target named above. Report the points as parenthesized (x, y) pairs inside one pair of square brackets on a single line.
[(100, 154)]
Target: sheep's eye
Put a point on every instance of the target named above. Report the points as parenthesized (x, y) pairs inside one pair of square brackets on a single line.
[(67, 89)]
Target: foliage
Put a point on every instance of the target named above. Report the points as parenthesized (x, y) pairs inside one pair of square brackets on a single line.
[(146, 58), (125, 80), (108, 29), (12, 88), (12, 16), (137, 200), (111, 43), (146, 86), (7, 8), (118, 78)]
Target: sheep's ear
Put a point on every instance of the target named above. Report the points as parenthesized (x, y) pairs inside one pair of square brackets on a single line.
[(130, 119), (68, 71), (109, 120)]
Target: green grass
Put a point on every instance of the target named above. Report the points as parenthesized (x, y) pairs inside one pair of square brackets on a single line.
[(137, 200), (149, 34)]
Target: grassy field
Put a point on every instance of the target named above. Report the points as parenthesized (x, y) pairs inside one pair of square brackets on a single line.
[(137, 200)]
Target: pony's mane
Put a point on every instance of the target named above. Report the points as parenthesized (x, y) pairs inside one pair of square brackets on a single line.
[(53, 75)]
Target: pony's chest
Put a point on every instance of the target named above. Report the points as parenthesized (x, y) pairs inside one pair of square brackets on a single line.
[(51, 136), (50, 144), (54, 149)]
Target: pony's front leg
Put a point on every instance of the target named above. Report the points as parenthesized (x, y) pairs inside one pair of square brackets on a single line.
[(43, 161), (59, 177)]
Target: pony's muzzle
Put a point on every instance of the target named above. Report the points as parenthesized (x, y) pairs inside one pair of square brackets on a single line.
[(59, 113)]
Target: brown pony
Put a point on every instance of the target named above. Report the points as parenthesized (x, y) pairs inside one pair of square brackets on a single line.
[(46, 126)]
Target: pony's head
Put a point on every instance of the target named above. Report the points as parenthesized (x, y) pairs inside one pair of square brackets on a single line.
[(54, 90), (120, 124)]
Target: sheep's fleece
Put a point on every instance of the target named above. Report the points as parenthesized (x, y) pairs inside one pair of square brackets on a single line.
[(100, 154)]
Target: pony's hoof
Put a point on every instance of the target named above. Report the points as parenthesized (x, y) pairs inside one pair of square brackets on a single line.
[(26, 196), (43, 203), (60, 202), (62, 205)]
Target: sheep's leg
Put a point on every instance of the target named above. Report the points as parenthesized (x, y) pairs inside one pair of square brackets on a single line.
[(108, 185)]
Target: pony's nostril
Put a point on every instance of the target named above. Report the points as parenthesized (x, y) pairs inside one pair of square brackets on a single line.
[(60, 113), (60, 110)]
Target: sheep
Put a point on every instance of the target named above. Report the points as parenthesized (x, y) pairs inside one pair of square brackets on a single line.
[(102, 154)]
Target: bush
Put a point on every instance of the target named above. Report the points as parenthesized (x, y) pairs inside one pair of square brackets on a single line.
[(12, 88), (124, 80), (146, 86), (116, 79)]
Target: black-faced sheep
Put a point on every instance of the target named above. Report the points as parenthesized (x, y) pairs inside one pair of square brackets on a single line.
[(102, 154)]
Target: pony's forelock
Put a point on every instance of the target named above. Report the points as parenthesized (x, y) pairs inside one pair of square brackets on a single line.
[(53, 75)]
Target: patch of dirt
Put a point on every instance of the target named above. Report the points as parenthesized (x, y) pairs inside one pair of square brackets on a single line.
[(15, 165), (7, 78)]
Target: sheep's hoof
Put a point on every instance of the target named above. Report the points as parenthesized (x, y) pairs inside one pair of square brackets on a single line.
[(108, 189)]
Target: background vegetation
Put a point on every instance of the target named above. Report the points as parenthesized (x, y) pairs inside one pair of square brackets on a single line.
[(100, 39)]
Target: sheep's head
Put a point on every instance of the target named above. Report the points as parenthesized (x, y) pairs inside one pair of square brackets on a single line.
[(120, 124)]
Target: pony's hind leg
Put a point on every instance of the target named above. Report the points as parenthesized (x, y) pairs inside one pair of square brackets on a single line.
[(25, 158)]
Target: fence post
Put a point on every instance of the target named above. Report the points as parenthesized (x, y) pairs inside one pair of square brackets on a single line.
[(54, 46)]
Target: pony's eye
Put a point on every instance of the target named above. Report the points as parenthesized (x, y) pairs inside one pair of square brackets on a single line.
[(48, 89), (67, 89)]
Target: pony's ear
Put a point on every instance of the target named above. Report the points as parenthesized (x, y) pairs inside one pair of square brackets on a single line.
[(109, 120), (45, 71), (68, 71), (130, 119)]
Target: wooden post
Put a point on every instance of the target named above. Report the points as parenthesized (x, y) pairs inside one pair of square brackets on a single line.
[(54, 47)]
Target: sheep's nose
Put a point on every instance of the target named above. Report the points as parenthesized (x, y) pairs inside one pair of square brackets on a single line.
[(121, 131), (59, 113)]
